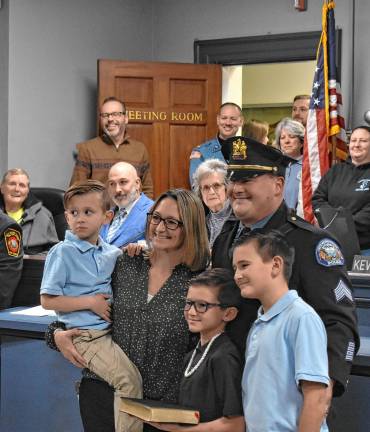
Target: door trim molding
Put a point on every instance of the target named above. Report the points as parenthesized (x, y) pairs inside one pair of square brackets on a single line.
[(285, 47)]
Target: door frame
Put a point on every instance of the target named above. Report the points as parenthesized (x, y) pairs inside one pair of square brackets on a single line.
[(276, 48)]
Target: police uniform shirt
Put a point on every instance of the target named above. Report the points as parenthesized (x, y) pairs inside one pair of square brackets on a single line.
[(320, 278), (215, 387), (11, 259)]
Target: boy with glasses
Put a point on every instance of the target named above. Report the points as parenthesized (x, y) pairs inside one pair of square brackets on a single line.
[(211, 381), (77, 284)]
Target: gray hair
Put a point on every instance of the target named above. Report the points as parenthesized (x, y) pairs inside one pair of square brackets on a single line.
[(292, 126), (210, 166), (15, 171)]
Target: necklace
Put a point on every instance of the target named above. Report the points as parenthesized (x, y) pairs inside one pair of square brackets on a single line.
[(190, 370)]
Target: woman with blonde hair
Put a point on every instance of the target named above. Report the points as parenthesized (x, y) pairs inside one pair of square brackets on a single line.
[(149, 293)]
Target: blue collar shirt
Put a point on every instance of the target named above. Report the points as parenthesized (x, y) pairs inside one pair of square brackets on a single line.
[(285, 345), (76, 267)]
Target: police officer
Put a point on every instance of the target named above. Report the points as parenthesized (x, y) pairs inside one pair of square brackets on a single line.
[(11, 259), (256, 193), (229, 120)]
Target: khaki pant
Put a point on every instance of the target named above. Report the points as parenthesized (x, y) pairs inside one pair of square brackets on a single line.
[(107, 360)]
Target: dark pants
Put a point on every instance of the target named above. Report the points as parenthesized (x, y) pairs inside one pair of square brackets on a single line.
[(96, 407)]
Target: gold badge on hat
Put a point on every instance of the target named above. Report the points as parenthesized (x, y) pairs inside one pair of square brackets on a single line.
[(12, 241), (239, 149)]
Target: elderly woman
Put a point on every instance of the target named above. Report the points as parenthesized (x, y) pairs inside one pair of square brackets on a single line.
[(289, 138), (149, 294), (37, 222), (210, 184), (347, 185)]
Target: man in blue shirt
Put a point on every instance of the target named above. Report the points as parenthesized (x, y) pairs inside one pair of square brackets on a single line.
[(229, 120), (285, 380), (132, 206)]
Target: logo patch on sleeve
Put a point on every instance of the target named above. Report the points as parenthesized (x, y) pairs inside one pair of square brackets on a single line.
[(342, 291), (195, 154), (13, 240), (328, 253), (350, 351)]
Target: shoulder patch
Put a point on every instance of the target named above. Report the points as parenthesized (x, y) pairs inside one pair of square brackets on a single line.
[(13, 240), (195, 154), (328, 253)]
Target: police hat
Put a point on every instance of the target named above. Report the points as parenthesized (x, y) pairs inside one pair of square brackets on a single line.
[(250, 158)]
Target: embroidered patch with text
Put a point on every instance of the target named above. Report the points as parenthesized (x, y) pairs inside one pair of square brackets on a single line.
[(328, 253), (350, 351)]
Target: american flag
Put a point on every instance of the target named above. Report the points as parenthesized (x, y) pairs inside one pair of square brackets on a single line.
[(324, 119)]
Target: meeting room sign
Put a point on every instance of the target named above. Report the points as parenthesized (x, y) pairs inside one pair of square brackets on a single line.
[(168, 116)]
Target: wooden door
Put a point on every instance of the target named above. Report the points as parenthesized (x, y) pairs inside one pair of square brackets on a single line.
[(172, 107)]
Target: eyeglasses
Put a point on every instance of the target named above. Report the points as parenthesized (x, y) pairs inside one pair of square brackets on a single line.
[(215, 186), (170, 223), (201, 307), (115, 114)]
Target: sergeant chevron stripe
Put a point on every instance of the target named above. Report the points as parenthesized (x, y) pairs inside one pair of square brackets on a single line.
[(342, 291)]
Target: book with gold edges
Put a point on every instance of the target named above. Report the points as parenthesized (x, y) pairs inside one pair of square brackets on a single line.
[(157, 411)]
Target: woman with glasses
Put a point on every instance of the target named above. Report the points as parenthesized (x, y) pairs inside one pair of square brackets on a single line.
[(210, 184), (289, 138), (149, 293)]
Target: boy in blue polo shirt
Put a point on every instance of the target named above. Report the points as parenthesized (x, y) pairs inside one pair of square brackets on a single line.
[(285, 379), (77, 284)]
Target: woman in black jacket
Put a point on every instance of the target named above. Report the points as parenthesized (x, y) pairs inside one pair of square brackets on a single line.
[(348, 185)]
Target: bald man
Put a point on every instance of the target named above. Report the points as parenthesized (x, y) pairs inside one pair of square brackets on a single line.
[(131, 206)]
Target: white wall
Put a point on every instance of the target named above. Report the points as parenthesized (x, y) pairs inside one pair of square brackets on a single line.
[(53, 50), (361, 62), (54, 45), (178, 23)]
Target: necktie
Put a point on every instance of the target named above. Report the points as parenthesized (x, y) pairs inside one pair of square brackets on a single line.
[(242, 230), (116, 224)]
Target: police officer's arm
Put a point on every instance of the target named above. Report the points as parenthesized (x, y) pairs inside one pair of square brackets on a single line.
[(196, 159), (328, 290), (11, 263)]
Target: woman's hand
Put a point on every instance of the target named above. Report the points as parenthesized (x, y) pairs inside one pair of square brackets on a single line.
[(99, 303), (133, 249), (63, 340)]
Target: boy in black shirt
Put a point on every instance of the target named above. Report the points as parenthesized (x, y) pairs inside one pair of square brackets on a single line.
[(212, 378)]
